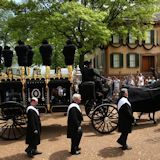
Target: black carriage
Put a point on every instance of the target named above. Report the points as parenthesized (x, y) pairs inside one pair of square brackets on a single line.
[(15, 95), (99, 108), (12, 112)]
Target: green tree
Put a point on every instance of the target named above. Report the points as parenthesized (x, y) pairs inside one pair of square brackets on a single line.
[(90, 23)]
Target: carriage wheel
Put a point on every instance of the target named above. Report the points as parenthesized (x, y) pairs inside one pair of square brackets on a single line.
[(90, 106), (12, 120), (105, 118)]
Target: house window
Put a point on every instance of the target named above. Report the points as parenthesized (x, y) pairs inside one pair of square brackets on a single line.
[(132, 60), (115, 39), (116, 60), (149, 37), (131, 39)]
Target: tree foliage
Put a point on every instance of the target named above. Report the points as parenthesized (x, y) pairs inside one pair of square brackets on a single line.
[(89, 23)]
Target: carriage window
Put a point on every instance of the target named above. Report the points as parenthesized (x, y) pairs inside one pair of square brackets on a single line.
[(132, 60), (116, 60)]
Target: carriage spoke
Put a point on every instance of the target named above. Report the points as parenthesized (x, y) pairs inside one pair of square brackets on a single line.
[(4, 131), (98, 122), (2, 123), (107, 126), (13, 132), (19, 130), (100, 125), (103, 127), (110, 112), (113, 114), (9, 132)]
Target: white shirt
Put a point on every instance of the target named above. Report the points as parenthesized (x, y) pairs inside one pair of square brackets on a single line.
[(73, 105), (122, 101), (33, 108)]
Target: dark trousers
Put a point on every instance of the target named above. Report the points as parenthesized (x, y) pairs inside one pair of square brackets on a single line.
[(31, 148), (75, 141), (123, 139)]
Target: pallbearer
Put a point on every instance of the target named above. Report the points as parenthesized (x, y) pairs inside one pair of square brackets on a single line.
[(69, 52)]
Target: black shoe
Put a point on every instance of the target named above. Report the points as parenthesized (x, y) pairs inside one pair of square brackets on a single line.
[(76, 153), (78, 149), (37, 152), (119, 141), (30, 154), (126, 147)]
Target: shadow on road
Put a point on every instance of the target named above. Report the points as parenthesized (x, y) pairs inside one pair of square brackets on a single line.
[(19, 156), (110, 152), (64, 154)]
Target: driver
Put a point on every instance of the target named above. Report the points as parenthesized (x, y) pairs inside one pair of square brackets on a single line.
[(89, 74)]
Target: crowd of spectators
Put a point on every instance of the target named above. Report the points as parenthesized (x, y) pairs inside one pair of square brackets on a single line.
[(115, 83)]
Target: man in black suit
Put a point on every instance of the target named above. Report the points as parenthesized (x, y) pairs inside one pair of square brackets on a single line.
[(33, 129), (89, 74), (74, 130), (125, 119)]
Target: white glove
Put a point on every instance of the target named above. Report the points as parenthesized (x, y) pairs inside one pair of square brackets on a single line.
[(35, 132), (79, 128)]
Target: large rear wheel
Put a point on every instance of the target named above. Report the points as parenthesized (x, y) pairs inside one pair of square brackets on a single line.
[(105, 118), (90, 106)]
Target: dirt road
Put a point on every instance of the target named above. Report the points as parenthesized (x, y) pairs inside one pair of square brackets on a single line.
[(145, 141)]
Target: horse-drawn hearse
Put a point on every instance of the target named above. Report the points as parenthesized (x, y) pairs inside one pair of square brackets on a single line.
[(54, 93)]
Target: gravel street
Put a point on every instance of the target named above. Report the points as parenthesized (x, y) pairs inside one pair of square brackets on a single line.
[(145, 141)]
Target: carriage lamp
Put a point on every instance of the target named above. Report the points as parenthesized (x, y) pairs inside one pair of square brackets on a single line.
[(29, 71), (77, 78), (59, 74), (9, 72)]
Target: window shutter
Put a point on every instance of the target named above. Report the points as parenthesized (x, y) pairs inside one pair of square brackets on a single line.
[(152, 36), (121, 60), (137, 60), (157, 43), (94, 63), (128, 62), (112, 39), (111, 60), (127, 39)]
